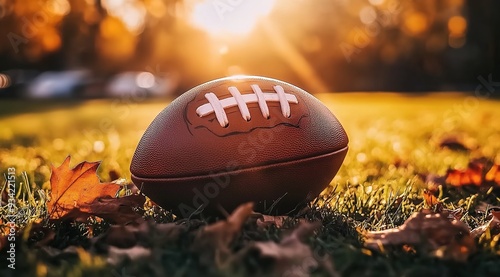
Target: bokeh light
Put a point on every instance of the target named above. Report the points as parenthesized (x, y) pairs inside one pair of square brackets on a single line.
[(59, 7), (145, 80), (367, 15), (231, 17), (131, 12), (416, 23), (156, 8), (457, 25)]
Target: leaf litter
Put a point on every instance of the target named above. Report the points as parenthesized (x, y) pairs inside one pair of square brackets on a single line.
[(78, 195)]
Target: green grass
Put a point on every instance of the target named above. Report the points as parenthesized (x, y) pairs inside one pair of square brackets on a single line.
[(393, 139)]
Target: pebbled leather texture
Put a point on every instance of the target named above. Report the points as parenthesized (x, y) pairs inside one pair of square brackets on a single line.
[(179, 144), (286, 186)]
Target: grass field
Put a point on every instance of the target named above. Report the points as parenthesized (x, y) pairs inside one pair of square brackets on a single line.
[(394, 139)]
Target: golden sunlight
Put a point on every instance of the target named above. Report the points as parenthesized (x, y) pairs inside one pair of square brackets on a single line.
[(229, 17), (59, 7), (131, 12)]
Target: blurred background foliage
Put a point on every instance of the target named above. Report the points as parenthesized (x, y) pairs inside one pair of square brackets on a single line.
[(321, 45)]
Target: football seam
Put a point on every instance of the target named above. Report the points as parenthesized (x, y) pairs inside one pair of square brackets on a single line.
[(254, 128), (238, 171)]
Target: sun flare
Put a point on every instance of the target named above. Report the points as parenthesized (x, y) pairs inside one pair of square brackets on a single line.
[(226, 17)]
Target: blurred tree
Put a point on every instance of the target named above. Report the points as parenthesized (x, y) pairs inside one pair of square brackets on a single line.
[(80, 31), (350, 45), (30, 32), (484, 36)]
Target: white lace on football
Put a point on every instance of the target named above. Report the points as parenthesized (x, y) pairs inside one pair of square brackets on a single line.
[(245, 113), (218, 106)]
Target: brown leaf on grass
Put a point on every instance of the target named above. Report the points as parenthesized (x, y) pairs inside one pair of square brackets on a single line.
[(264, 220), (457, 213), (435, 233), (57, 255), (484, 207), (212, 243), (143, 233), (493, 225), (291, 256), (267, 220), (116, 210), (291, 250), (76, 187), (118, 256)]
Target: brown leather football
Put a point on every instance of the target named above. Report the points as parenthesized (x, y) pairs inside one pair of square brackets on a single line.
[(239, 139)]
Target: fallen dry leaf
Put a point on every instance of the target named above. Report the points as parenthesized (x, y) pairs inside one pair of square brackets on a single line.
[(484, 207), (56, 254), (291, 251), (291, 256), (264, 220), (212, 243), (436, 233), (143, 233), (77, 187), (77, 194), (116, 210), (479, 172), (493, 225), (472, 175), (117, 255), (433, 203), (493, 175), (430, 199)]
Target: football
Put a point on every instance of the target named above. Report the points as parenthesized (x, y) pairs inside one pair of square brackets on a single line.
[(235, 140)]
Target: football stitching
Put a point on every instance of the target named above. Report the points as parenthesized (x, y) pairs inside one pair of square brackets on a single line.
[(218, 106)]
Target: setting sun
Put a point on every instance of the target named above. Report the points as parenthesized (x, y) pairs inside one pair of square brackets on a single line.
[(229, 17)]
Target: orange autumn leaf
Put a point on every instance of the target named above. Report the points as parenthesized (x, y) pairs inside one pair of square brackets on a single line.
[(430, 199), (478, 173), (493, 175), (472, 175), (76, 188)]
